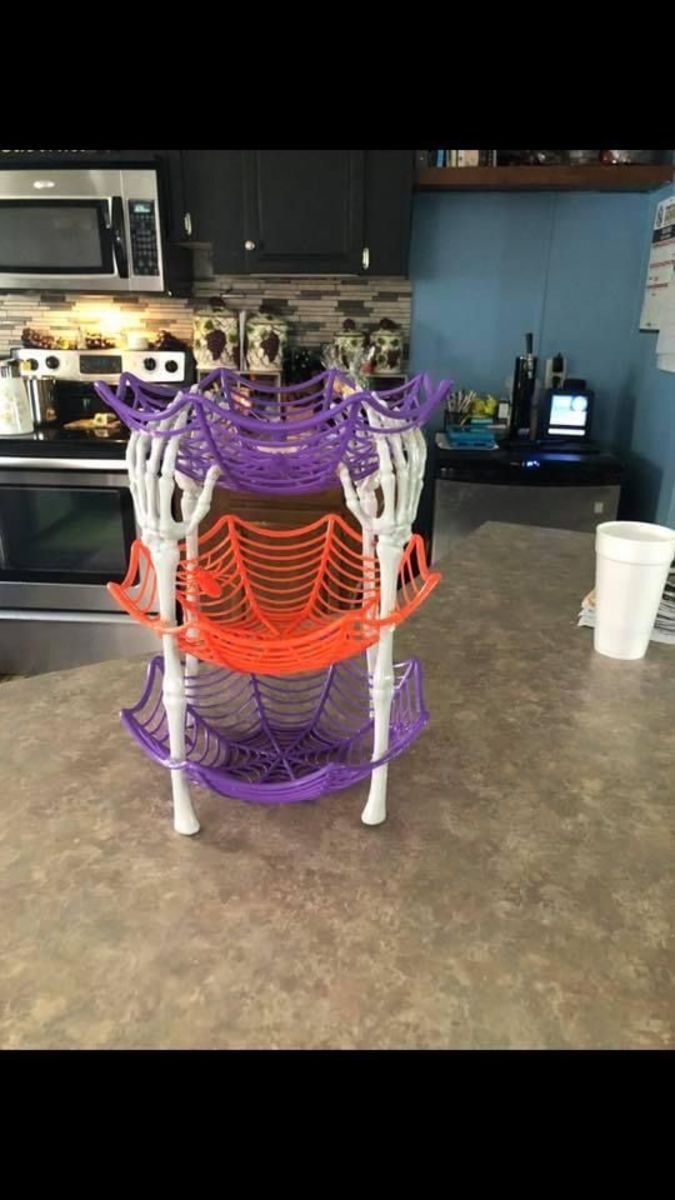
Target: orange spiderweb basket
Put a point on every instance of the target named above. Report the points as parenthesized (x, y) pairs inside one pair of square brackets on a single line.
[(276, 602)]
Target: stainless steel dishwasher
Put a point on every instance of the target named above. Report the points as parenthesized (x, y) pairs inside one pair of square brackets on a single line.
[(526, 485)]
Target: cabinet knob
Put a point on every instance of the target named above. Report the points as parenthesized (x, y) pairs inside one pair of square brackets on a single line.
[(365, 258), (187, 222), (249, 245)]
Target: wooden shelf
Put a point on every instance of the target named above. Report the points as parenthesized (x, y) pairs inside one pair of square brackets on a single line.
[(596, 177)]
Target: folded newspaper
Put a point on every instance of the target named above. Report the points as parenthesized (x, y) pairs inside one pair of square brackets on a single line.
[(664, 626)]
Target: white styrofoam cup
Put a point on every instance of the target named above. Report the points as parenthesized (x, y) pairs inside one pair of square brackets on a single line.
[(632, 560)]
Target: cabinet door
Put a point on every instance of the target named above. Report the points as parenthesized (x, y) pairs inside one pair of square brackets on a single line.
[(389, 184), (212, 181), (303, 211)]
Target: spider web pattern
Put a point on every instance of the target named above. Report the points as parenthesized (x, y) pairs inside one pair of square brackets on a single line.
[(274, 440), (262, 740), (277, 601)]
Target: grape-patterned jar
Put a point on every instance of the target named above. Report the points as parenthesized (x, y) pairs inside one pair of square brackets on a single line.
[(266, 336), (216, 340), (388, 342), (350, 345)]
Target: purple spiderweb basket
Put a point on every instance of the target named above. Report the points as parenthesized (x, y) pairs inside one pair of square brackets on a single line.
[(278, 741), (270, 439)]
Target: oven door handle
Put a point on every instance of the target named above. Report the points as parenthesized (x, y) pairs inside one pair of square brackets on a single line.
[(118, 238), (19, 463)]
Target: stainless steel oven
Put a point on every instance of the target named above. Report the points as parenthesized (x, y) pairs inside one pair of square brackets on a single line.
[(92, 230), (67, 519), (66, 528)]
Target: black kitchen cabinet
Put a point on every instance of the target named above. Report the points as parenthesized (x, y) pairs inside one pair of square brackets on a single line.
[(389, 187), (213, 199), (303, 210), (296, 211)]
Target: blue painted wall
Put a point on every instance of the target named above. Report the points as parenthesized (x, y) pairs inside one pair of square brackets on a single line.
[(486, 268)]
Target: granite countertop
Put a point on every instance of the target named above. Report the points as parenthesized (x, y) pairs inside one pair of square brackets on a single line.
[(520, 894)]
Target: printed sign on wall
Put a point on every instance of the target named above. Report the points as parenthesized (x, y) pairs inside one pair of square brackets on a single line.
[(661, 268)]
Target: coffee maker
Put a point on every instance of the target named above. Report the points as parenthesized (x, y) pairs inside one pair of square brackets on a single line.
[(522, 423)]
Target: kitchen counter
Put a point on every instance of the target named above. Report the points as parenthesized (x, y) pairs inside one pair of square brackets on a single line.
[(532, 464), (520, 894)]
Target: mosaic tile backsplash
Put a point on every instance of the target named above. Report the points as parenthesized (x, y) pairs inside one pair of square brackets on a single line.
[(314, 308)]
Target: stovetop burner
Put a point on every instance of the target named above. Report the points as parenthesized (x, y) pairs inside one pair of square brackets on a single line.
[(56, 442)]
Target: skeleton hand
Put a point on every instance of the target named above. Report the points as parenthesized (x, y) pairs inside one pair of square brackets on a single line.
[(151, 464), (400, 477)]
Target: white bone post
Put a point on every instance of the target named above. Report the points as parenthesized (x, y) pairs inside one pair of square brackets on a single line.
[(165, 560), (188, 502), (368, 497), (151, 462), (388, 551), (190, 492), (382, 686), (401, 485)]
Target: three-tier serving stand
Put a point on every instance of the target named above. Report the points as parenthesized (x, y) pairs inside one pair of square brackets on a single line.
[(276, 682)]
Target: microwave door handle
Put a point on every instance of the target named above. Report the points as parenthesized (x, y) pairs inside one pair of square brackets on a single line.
[(118, 238)]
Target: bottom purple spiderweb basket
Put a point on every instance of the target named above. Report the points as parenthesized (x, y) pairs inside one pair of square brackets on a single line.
[(278, 741)]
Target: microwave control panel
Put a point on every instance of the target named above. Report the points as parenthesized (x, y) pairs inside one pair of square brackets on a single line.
[(144, 237)]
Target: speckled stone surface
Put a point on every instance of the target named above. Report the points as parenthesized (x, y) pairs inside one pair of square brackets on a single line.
[(521, 893)]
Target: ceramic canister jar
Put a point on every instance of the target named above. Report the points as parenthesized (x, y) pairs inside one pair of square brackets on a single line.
[(216, 340), (266, 335), (388, 342), (350, 345)]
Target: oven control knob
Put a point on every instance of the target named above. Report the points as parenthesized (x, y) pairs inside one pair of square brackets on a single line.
[(171, 366), (52, 362), (149, 363), (32, 364)]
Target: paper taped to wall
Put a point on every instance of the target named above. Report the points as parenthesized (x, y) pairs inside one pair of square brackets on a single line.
[(665, 342), (661, 267)]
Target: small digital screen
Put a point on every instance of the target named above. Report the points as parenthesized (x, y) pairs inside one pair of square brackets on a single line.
[(568, 416), (141, 206), (100, 364)]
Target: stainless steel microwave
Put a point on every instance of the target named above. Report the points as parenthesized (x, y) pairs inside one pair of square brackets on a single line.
[(82, 230)]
